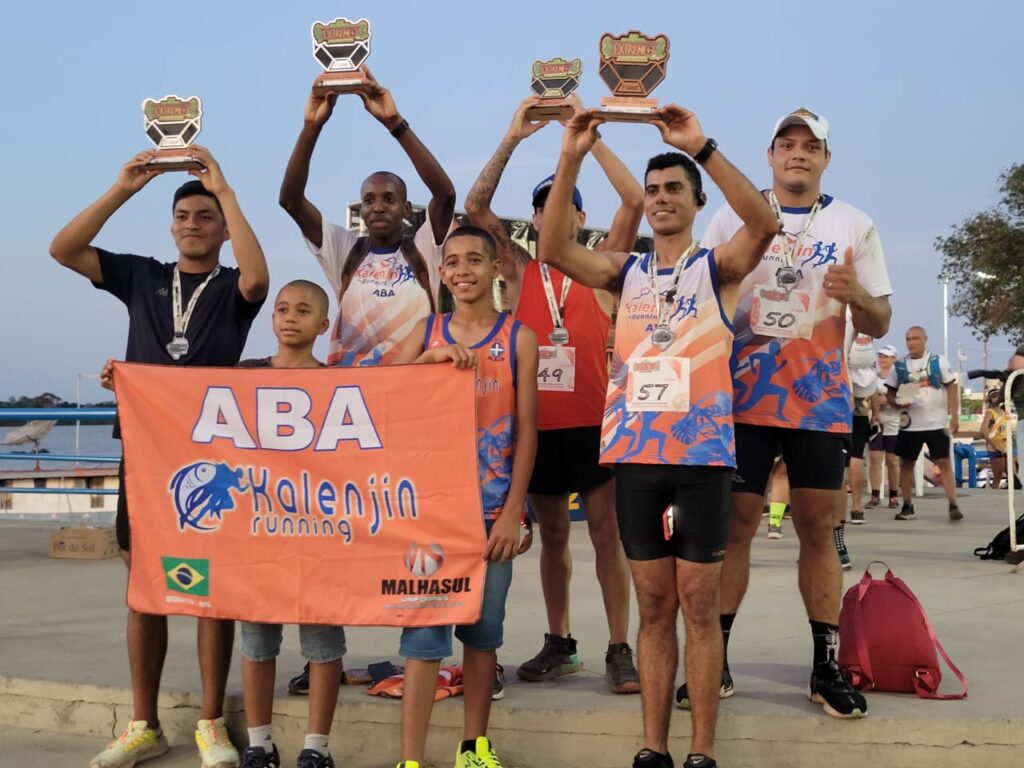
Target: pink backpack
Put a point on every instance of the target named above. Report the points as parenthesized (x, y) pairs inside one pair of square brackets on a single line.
[(886, 642)]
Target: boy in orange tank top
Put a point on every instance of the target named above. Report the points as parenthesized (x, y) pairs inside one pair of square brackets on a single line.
[(504, 354)]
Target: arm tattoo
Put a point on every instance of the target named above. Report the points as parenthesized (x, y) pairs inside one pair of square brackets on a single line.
[(487, 182)]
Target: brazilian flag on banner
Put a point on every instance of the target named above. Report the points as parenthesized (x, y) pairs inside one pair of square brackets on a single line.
[(189, 576)]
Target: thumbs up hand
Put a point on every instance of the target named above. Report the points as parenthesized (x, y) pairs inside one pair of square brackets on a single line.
[(841, 281)]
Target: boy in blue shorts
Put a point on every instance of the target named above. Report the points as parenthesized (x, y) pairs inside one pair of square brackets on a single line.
[(300, 316), (504, 353)]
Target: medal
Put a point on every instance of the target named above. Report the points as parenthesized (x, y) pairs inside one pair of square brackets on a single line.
[(559, 337), (177, 347), (787, 277), (662, 337)]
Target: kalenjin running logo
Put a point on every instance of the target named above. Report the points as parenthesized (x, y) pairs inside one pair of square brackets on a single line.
[(201, 492)]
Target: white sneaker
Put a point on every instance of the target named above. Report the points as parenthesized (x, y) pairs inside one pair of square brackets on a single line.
[(139, 742), (215, 747)]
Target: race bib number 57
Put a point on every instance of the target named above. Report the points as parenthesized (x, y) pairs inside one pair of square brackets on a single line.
[(773, 312), (658, 384)]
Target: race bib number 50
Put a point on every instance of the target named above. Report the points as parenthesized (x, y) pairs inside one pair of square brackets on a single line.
[(658, 384), (773, 312)]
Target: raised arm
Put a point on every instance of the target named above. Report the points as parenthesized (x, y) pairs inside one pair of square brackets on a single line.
[(253, 277), (378, 102), (292, 196), (514, 257), (626, 222), (736, 258), (72, 247), (596, 269)]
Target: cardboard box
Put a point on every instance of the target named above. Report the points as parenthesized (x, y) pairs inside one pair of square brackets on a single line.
[(83, 543)]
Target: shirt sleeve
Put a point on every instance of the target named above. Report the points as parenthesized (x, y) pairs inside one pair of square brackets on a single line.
[(870, 263), (948, 377), (718, 230), (431, 252), (337, 242), (117, 270)]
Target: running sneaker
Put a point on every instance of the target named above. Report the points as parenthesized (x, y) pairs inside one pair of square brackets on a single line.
[(498, 691), (299, 685), (775, 531), (839, 533), (954, 512), (700, 761), (138, 742), (906, 513), (215, 747), (648, 758), (310, 758), (481, 756), (829, 688), (857, 516), (619, 671), (258, 757), (894, 502), (408, 764), (873, 502), (557, 657), (725, 692)]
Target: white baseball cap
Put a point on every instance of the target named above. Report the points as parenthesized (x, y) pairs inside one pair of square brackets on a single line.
[(803, 116), (889, 351)]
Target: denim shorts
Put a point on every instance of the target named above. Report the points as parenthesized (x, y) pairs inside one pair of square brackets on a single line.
[(429, 643), (319, 643)]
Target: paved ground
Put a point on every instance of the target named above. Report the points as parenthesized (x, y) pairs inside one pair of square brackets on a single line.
[(61, 624)]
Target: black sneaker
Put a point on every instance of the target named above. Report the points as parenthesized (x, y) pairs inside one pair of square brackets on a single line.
[(557, 657), (299, 685), (700, 761), (258, 757), (829, 688), (310, 758), (906, 513), (498, 691), (619, 671), (726, 691), (647, 758), (857, 516), (954, 512)]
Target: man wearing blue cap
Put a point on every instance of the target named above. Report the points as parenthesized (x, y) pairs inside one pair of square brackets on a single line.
[(572, 324)]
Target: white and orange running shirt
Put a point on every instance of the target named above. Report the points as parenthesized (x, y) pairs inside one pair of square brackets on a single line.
[(793, 382), (702, 434), (384, 301)]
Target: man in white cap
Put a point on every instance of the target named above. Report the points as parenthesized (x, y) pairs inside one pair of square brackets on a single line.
[(792, 391), (883, 444)]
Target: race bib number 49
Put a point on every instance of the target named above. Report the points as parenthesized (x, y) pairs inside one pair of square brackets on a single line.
[(658, 384), (556, 371), (773, 312)]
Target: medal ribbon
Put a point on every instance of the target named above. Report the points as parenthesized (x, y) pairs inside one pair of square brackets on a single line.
[(663, 308), (556, 309), (789, 251), (181, 320)]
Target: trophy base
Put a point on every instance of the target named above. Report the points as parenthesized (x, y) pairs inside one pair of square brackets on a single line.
[(174, 160), (553, 110), (339, 82), (626, 109)]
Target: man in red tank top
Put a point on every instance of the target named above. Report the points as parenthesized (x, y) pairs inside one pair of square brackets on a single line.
[(571, 322)]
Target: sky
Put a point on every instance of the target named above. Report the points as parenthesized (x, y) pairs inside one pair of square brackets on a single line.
[(923, 99)]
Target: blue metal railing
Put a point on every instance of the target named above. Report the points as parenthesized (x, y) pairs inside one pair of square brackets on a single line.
[(59, 414)]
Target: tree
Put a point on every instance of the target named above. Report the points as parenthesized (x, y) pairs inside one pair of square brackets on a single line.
[(983, 258)]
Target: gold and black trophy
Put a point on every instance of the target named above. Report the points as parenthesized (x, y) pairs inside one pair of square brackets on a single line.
[(631, 65), (554, 81), (341, 47), (172, 124)]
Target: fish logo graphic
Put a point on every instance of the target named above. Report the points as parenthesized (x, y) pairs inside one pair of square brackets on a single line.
[(202, 491)]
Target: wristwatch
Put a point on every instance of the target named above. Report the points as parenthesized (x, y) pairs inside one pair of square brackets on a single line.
[(702, 157)]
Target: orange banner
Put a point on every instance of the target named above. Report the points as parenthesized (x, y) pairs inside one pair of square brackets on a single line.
[(303, 496)]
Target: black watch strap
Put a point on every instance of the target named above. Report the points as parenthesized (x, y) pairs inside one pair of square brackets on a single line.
[(702, 157)]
